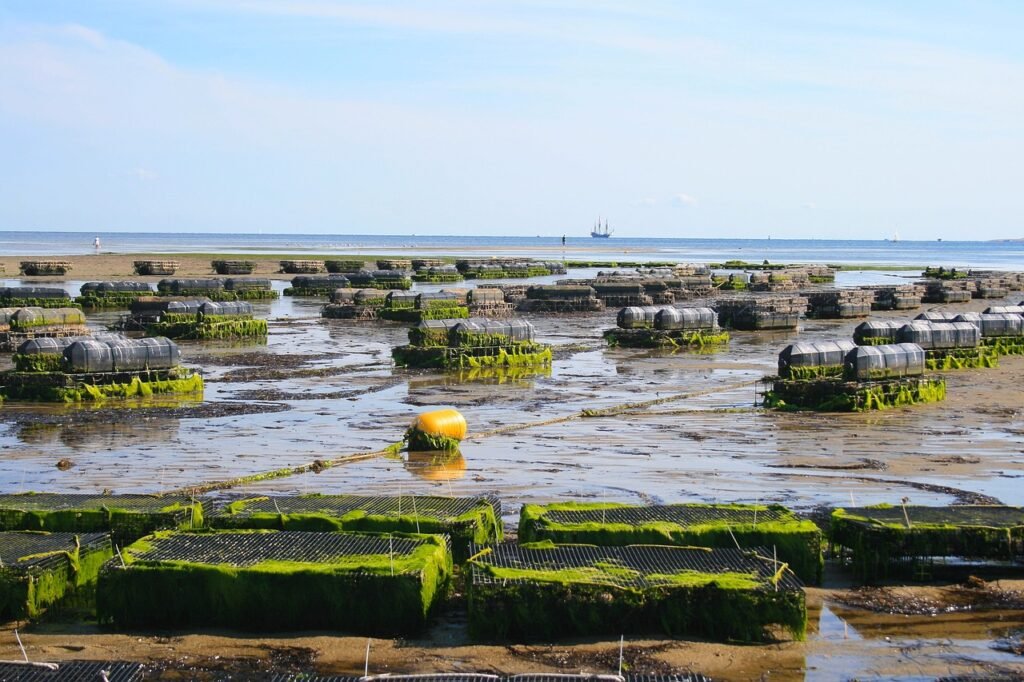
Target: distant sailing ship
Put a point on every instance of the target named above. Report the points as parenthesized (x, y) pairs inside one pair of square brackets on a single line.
[(601, 233)]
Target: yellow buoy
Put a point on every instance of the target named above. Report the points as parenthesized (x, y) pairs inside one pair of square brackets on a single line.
[(437, 430)]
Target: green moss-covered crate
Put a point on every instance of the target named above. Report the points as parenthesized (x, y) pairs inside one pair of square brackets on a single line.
[(544, 592), (127, 517), (797, 542), (891, 539), (383, 585), (463, 519), (40, 569)]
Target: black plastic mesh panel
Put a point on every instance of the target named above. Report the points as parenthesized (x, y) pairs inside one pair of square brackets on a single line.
[(443, 508), (471, 677), (683, 514), (15, 545), (640, 562), (59, 501), (72, 671), (966, 515), (249, 549)]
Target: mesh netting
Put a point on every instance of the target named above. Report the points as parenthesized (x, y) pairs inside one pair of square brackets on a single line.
[(60, 501), (966, 515), (635, 566), (443, 508), (35, 550), (483, 677), (683, 514), (249, 549), (73, 671)]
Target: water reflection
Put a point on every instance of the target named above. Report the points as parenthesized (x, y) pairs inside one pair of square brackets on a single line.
[(436, 465), (105, 435)]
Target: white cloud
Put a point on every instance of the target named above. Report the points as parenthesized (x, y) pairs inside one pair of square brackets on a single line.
[(684, 199), (144, 174)]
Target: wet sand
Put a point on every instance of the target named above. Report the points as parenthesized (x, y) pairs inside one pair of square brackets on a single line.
[(320, 389)]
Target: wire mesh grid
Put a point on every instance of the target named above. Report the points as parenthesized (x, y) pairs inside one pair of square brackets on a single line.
[(61, 501), (636, 566), (683, 514), (248, 549), (72, 671), (473, 677), (30, 550), (446, 509), (989, 516)]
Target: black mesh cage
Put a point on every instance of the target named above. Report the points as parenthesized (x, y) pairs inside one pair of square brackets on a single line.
[(244, 549), (72, 671), (684, 515), (640, 562)]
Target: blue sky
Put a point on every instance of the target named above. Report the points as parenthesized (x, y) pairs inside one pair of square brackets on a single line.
[(745, 119)]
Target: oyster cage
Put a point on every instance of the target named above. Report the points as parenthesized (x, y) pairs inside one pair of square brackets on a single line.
[(380, 585), (798, 542), (683, 514), (480, 677), (72, 671), (886, 540), (128, 517), (549, 592), (248, 549), (639, 566), (40, 569), (463, 519)]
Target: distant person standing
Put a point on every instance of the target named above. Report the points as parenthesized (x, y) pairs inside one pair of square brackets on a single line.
[(563, 240), (96, 244)]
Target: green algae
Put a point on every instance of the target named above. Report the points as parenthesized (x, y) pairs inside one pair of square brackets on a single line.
[(544, 605), (879, 549), (125, 524), (383, 594), (26, 593), (209, 327), (83, 391), (664, 339), (798, 541), (983, 357), (834, 395), (479, 525)]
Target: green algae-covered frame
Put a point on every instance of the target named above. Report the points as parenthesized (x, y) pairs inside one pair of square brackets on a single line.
[(876, 546), (480, 525), (798, 541), (25, 591), (140, 385), (126, 524), (835, 395), (536, 604), (380, 595), (658, 338)]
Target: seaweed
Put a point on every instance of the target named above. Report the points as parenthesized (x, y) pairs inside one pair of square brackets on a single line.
[(983, 357), (209, 327), (798, 541), (29, 584), (641, 337), (38, 362), (881, 544), (411, 514), (389, 592), (84, 390), (835, 395), (1005, 345), (537, 601)]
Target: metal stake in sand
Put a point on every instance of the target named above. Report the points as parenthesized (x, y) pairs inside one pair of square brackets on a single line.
[(622, 641), (20, 645), (906, 516), (416, 514), (366, 666), (391, 553)]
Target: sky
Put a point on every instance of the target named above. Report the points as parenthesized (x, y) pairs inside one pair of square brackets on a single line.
[(669, 118)]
